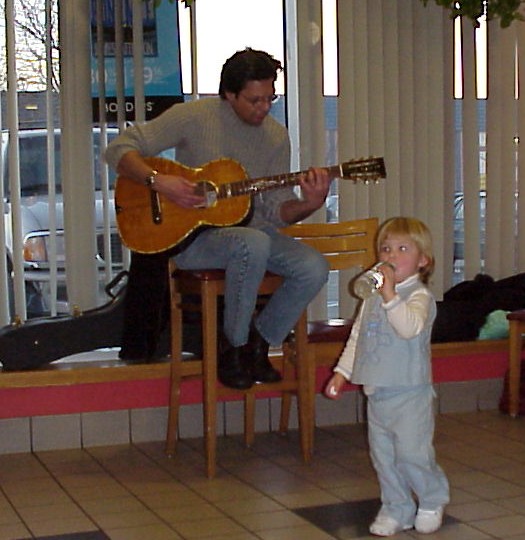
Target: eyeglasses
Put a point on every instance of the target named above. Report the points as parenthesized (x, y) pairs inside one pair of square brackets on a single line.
[(254, 101)]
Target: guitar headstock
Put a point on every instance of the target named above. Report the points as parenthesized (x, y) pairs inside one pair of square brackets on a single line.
[(366, 170)]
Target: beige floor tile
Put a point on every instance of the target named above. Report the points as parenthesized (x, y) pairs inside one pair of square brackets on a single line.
[(97, 480), (29, 498), (13, 530), (67, 462), (179, 514), (253, 505), (61, 526), (21, 467), (469, 478), (144, 488), (477, 510), (223, 489), (116, 505), (327, 474), (459, 531), (35, 486), (149, 532), (93, 493), (114, 520), (312, 497), (270, 520), (303, 532), (169, 499), (208, 528), (460, 496), (503, 526), (179, 499), (358, 490), (8, 516), (496, 489), (511, 472), (516, 504), (280, 482), (238, 536), (68, 510)]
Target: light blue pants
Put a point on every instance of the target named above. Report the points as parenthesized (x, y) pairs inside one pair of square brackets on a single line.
[(246, 254), (400, 432)]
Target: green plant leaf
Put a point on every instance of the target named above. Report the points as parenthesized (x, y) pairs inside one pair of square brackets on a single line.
[(504, 10)]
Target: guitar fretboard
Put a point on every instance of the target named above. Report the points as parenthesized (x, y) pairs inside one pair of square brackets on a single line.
[(258, 185)]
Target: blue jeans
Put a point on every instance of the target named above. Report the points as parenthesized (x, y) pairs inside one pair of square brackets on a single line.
[(246, 254)]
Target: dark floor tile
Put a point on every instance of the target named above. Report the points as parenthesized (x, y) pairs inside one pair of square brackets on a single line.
[(342, 520), (349, 519), (91, 535)]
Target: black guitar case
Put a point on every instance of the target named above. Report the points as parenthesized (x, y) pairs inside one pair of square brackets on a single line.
[(45, 339)]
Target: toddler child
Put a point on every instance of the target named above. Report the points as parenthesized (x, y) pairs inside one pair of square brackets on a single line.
[(388, 353)]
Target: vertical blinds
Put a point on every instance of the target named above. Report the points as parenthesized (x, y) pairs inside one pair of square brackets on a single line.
[(395, 72), (505, 231), (396, 66)]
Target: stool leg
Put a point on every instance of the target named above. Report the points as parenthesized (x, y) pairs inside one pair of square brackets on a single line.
[(289, 373), (311, 370), (175, 373), (209, 335), (305, 391), (514, 366)]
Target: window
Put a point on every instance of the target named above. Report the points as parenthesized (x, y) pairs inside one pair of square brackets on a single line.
[(235, 27)]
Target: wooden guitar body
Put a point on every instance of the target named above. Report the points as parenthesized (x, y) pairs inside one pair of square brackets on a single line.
[(140, 229)]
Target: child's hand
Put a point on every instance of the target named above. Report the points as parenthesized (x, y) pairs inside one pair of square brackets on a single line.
[(334, 386), (387, 291)]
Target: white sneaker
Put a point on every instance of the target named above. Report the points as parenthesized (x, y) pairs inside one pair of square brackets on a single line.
[(387, 526), (428, 521)]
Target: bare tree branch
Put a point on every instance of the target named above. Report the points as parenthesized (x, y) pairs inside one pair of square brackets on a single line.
[(30, 36)]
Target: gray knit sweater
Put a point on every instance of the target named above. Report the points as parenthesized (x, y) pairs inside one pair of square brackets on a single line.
[(208, 129)]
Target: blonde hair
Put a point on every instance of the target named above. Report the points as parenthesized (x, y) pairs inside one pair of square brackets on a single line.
[(418, 233)]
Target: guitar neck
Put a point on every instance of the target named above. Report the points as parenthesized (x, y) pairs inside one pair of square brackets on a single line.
[(267, 183)]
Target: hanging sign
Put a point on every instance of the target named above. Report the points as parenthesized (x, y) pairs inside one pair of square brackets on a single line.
[(162, 66)]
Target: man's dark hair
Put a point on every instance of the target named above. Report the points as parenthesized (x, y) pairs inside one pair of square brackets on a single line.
[(244, 66)]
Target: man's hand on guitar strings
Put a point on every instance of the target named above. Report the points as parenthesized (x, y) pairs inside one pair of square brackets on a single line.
[(179, 190), (314, 186)]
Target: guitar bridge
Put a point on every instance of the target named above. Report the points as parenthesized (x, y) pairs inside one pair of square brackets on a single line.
[(156, 212)]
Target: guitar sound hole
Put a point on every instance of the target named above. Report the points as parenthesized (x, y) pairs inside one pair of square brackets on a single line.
[(208, 191)]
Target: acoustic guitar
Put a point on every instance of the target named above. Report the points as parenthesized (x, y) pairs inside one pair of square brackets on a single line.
[(150, 223)]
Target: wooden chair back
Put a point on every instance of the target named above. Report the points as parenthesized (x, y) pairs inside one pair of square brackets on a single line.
[(345, 244)]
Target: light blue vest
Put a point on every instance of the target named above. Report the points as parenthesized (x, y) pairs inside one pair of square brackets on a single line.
[(383, 358)]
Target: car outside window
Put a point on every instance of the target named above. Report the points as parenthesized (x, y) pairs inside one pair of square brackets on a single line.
[(35, 214)]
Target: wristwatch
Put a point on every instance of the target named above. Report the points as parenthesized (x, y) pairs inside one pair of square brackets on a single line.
[(150, 180)]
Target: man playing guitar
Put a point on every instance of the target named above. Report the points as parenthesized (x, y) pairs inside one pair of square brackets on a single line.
[(234, 125)]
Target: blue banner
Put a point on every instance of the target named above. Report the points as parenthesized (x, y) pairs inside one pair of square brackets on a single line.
[(162, 66)]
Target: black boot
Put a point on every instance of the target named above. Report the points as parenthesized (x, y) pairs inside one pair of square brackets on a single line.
[(261, 367), (232, 368)]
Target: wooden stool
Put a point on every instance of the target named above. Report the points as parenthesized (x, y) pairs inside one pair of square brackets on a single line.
[(208, 286)]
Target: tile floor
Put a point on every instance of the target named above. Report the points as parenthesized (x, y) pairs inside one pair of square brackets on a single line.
[(265, 493)]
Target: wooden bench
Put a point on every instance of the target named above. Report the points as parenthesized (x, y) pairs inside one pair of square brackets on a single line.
[(458, 361), (97, 371), (84, 372)]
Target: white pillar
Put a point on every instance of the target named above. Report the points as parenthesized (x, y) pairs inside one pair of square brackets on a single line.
[(77, 153)]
